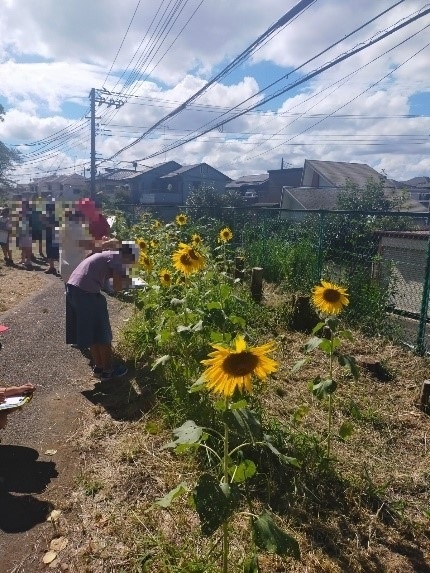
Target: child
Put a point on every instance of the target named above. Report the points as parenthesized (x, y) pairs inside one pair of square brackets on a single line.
[(12, 391), (5, 231)]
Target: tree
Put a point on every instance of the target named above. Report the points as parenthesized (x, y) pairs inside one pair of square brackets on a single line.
[(8, 158), (207, 203)]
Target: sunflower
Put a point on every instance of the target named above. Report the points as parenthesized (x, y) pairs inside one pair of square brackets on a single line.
[(143, 245), (145, 262), (154, 244), (187, 260), (229, 369), (196, 240), (165, 277), (181, 219), (329, 297), (225, 235), (156, 224)]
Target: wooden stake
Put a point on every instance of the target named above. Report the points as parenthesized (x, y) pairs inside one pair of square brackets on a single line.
[(257, 284), (425, 397)]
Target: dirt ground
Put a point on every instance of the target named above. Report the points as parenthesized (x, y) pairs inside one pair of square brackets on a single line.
[(16, 283)]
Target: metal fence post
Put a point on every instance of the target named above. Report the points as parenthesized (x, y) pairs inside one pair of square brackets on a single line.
[(421, 345)]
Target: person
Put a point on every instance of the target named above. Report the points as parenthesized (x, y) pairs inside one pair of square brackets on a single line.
[(23, 234), (76, 242), (37, 228), (7, 393), (5, 232), (52, 247), (87, 318), (97, 223)]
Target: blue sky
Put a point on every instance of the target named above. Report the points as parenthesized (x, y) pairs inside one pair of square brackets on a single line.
[(49, 63)]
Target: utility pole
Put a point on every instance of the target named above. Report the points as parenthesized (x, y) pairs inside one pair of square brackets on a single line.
[(99, 96)]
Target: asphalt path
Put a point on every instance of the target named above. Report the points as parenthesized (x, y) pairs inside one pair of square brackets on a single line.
[(39, 459)]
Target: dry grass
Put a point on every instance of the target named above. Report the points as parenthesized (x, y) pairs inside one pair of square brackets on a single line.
[(369, 513)]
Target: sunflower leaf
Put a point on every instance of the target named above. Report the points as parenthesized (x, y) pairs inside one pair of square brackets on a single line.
[(346, 430), (318, 327), (237, 320), (299, 364), (245, 423), (166, 500), (188, 433), (198, 385), (162, 360), (350, 363), (243, 471), (214, 503), (270, 537), (282, 457), (250, 565), (313, 343), (322, 388), (214, 305), (347, 334)]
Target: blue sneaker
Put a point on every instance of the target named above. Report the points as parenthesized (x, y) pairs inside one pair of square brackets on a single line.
[(116, 372)]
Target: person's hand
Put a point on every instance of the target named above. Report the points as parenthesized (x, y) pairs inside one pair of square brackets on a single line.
[(2, 395)]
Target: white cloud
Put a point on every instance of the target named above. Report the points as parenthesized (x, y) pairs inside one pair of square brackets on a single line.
[(52, 53)]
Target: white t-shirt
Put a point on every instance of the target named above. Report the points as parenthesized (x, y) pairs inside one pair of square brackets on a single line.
[(71, 253)]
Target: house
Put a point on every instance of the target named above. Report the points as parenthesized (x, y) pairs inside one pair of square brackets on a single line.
[(61, 187), (266, 188), (251, 187), (142, 184), (180, 182), (322, 182)]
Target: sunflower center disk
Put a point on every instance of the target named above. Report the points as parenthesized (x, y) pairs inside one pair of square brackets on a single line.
[(240, 364), (331, 295), (185, 260)]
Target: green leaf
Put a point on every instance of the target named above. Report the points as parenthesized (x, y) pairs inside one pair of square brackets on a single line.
[(323, 388), (250, 565), (214, 305), (214, 503), (177, 301), (329, 346), (282, 457), (163, 336), (198, 385), (313, 343), (182, 328), (238, 405), (245, 470), (346, 430), (245, 423), (347, 334), (216, 337), (271, 538), (350, 363), (162, 360), (188, 433), (318, 327), (225, 291), (237, 320), (171, 496), (300, 413), (299, 364)]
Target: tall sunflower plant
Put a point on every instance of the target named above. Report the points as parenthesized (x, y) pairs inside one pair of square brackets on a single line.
[(233, 374), (329, 299)]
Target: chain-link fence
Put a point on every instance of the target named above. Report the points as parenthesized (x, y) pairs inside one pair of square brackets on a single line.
[(383, 259)]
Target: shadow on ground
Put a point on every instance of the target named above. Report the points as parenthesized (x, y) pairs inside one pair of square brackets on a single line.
[(123, 399), (22, 473)]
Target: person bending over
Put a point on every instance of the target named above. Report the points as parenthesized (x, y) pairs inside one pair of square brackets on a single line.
[(87, 318)]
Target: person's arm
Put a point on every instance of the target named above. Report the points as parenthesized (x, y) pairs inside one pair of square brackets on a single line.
[(17, 390)]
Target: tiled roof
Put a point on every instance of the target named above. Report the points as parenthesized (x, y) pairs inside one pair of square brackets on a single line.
[(337, 172), (249, 180), (181, 170)]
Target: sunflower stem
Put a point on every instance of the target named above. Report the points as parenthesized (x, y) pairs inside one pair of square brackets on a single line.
[(330, 402), (225, 539)]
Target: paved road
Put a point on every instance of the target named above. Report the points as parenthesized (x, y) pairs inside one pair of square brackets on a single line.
[(31, 480)]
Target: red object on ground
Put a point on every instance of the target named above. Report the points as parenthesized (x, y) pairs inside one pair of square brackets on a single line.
[(3, 328)]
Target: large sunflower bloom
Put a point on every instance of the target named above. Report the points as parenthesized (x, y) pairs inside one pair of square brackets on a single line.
[(165, 277), (229, 368), (187, 259), (181, 219), (225, 235), (329, 297)]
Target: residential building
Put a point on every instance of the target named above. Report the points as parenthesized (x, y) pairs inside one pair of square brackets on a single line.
[(60, 187)]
